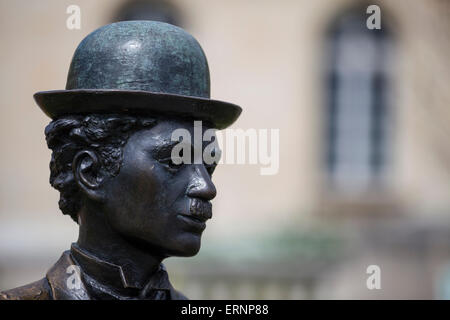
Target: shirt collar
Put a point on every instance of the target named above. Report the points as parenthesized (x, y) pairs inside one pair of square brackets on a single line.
[(112, 275)]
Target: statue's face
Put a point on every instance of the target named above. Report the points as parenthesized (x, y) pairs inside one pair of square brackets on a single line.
[(154, 203)]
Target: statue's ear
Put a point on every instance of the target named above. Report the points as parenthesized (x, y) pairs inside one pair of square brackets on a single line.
[(86, 170)]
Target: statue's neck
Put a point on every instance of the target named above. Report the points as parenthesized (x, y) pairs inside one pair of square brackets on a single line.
[(97, 238)]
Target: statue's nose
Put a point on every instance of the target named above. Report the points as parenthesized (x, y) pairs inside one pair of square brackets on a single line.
[(201, 185)]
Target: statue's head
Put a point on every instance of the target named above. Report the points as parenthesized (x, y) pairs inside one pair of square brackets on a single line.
[(130, 86)]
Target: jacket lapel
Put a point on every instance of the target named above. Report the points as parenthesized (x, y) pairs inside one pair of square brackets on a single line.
[(65, 280)]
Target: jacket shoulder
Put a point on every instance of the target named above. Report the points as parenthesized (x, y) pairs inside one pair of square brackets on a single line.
[(38, 290), (177, 295)]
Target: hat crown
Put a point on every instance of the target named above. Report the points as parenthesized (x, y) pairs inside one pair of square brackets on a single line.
[(140, 55)]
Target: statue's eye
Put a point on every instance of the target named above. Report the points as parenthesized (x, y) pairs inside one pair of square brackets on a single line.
[(170, 164)]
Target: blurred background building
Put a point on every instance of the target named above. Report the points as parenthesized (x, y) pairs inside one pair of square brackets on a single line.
[(364, 115)]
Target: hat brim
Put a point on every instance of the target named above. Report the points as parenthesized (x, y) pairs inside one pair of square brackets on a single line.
[(58, 103)]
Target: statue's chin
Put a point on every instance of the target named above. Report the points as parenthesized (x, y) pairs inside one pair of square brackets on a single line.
[(187, 247)]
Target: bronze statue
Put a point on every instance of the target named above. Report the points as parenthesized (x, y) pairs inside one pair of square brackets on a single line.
[(129, 86)]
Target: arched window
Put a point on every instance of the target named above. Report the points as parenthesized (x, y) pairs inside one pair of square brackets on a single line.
[(157, 10), (358, 105)]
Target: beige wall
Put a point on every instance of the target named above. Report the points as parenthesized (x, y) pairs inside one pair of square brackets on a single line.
[(264, 55)]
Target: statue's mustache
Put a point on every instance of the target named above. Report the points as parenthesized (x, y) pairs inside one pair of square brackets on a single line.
[(200, 209)]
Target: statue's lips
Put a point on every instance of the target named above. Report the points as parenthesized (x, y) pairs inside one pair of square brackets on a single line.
[(199, 211), (197, 223)]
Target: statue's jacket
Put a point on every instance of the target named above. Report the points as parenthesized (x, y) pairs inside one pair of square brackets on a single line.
[(67, 281)]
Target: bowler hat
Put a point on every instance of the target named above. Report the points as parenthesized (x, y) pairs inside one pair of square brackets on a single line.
[(140, 67)]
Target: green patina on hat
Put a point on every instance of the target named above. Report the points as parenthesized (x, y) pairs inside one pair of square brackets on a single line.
[(142, 67)]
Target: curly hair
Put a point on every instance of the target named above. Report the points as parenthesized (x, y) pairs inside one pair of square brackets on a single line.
[(106, 134)]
